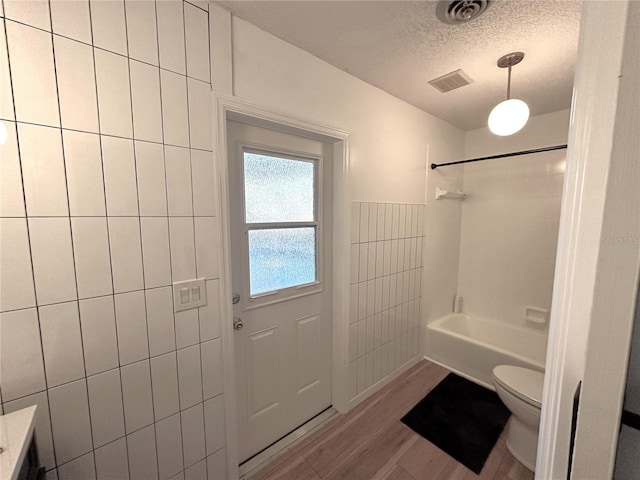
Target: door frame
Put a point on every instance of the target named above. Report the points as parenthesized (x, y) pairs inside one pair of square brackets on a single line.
[(597, 266), (226, 108)]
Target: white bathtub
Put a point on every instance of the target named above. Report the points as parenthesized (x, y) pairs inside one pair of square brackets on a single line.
[(472, 347)]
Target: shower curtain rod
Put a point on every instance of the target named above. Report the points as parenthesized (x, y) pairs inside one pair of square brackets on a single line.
[(503, 155)]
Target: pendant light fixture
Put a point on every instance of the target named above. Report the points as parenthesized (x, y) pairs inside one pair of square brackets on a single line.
[(509, 116)]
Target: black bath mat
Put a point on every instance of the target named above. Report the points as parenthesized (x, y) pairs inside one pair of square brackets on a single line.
[(461, 418)]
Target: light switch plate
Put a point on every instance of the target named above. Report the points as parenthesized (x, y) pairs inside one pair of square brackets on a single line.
[(189, 294)]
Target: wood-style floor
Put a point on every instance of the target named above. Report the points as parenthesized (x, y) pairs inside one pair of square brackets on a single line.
[(370, 443)]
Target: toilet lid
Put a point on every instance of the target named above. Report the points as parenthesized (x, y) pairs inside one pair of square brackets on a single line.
[(521, 382)]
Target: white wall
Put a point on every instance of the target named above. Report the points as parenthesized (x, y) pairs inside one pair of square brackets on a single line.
[(510, 221), (107, 197), (389, 139)]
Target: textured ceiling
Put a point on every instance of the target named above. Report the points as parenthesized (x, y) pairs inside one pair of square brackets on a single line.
[(399, 46)]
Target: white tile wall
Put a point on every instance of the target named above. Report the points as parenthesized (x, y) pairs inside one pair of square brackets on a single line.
[(206, 234), (6, 98), (108, 26), (204, 201), (17, 280), (32, 74), (131, 320), (91, 252), (71, 426), (137, 396), (145, 96), (21, 355), (11, 193), (212, 380), (150, 169), (214, 424), (83, 467), (194, 472), (196, 38), (508, 263), (155, 245), (160, 320), (76, 84), (143, 458), (71, 19), (126, 254), (386, 285), (174, 107), (111, 461), (43, 171), (193, 434), (103, 157), (85, 182), (98, 321), (171, 36), (105, 401), (168, 438), (52, 257), (164, 378), (189, 376), (179, 194), (142, 31), (186, 328), (36, 14), (183, 265), (199, 115), (114, 99), (120, 176), (61, 343)]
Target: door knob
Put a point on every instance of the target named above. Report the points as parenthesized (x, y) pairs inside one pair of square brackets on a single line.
[(237, 323)]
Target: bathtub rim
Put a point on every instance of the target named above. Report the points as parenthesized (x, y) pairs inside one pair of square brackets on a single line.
[(436, 326)]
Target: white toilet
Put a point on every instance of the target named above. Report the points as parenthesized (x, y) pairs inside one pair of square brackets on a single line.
[(520, 389)]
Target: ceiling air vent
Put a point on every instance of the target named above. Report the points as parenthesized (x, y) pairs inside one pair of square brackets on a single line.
[(455, 12), (451, 81)]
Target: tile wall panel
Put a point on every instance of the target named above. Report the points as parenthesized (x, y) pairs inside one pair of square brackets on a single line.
[(385, 294), (108, 197)]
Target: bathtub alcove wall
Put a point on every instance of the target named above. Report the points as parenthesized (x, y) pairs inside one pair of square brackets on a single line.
[(507, 247)]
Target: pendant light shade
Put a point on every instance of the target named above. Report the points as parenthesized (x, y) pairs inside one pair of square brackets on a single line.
[(511, 115), (508, 117)]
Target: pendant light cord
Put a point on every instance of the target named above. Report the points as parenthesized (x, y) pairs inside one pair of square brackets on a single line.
[(509, 84)]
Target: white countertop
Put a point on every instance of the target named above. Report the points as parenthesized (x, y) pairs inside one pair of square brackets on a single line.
[(16, 431)]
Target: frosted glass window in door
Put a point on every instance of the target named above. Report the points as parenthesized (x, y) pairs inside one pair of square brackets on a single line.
[(281, 258), (278, 189)]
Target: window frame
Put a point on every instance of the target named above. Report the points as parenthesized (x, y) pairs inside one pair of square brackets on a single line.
[(295, 291)]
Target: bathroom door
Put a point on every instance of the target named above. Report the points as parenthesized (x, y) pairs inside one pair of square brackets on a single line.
[(280, 252)]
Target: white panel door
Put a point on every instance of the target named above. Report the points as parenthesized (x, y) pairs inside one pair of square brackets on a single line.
[(281, 258)]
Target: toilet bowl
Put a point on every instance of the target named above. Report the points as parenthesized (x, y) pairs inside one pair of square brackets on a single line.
[(520, 389)]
